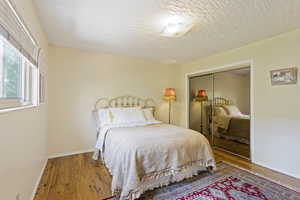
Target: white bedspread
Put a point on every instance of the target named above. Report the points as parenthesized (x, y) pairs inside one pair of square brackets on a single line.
[(146, 157)]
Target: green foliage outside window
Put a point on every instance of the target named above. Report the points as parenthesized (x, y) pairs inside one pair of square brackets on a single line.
[(12, 73)]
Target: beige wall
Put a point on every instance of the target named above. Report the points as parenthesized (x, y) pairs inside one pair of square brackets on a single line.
[(276, 133), (78, 78), (23, 132)]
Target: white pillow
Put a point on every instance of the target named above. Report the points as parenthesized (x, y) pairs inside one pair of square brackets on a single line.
[(149, 114), (104, 117), (127, 115), (220, 111), (232, 110)]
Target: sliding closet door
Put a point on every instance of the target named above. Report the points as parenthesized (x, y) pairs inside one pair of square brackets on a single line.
[(231, 111), (201, 95)]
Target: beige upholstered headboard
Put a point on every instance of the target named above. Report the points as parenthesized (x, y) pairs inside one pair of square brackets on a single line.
[(124, 101)]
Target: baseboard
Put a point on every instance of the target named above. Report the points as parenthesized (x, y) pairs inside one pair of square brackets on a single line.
[(38, 180), (70, 153), (276, 170)]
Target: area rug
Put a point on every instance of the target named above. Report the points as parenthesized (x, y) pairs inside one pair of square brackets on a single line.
[(227, 183)]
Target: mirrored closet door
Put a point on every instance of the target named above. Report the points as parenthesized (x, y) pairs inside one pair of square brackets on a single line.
[(220, 109), (201, 88)]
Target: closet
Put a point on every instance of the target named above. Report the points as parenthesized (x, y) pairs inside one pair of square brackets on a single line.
[(219, 108)]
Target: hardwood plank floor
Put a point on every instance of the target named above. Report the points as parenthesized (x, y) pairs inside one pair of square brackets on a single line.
[(232, 146), (75, 177), (78, 177)]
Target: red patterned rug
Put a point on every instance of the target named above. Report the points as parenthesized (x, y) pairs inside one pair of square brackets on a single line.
[(227, 183)]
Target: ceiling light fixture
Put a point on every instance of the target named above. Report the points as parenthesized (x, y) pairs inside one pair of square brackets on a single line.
[(177, 27)]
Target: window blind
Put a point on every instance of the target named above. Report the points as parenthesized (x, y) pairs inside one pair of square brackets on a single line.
[(13, 29)]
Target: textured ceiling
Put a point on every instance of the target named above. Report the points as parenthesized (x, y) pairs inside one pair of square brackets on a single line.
[(133, 27)]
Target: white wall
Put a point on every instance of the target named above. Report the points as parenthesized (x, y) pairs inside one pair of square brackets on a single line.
[(276, 108), (23, 132), (78, 78)]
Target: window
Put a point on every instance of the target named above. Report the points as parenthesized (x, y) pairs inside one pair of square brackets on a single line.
[(18, 78), (19, 54)]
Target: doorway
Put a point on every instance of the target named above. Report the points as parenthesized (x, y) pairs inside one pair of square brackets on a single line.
[(220, 109)]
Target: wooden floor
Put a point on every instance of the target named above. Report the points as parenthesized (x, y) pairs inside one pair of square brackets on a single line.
[(78, 177), (232, 146)]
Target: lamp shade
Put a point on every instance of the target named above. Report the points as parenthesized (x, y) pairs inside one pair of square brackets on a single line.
[(201, 96), (202, 93), (169, 94)]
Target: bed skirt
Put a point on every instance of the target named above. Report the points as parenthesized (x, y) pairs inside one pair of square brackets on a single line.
[(160, 179)]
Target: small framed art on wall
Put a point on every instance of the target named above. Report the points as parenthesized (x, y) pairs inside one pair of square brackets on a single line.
[(284, 76)]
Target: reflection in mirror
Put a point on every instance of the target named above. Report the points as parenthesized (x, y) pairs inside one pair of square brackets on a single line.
[(231, 119), (201, 93), (220, 109)]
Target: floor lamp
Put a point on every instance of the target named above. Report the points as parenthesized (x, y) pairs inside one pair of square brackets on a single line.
[(201, 97), (169, 96)]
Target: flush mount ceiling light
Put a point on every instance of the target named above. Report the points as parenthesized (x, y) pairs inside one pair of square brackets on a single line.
[(177, 27)]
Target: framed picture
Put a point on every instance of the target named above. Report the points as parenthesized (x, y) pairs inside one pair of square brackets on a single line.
[(284, 76), (42, 89)]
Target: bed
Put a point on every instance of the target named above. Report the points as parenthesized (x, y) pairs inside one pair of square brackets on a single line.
[(229, 123), (145, 155)]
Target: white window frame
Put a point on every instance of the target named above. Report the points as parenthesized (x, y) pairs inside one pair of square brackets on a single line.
[(30, 83)]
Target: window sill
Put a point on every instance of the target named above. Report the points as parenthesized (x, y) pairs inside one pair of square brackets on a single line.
[(5, 110)]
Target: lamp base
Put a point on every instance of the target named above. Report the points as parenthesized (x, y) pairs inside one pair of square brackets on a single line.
[(169, 112)]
